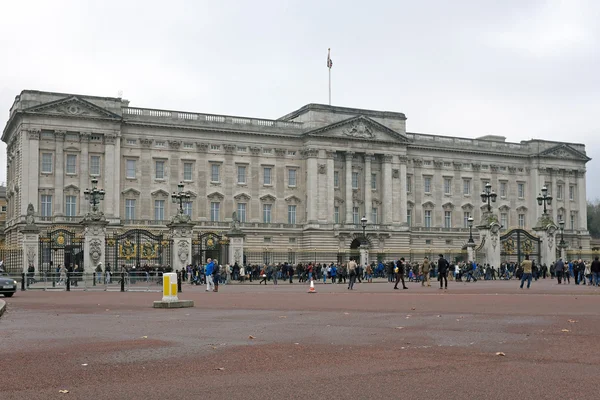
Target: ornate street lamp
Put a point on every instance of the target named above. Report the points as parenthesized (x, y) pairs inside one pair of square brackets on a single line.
[(363, 222), (94, 195), (488, 195), (470, 223), (561, 225), (181, 197), (544, 198)]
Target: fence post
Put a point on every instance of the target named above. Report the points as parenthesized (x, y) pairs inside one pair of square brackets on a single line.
[(53, 279), (22, 281), (122, 281), (179, 281), (68, 281), (94, 276)]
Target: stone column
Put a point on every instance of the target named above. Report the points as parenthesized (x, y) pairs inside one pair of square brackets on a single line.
[(349, 202), (555, 206), (312, 198), (330, 187), (236, 247), (545, 229), (181, 233), (84, 172), (470, 251), (368, 190), (59, 174), (30, 172), (112, 175), (364, 255), (31, 246), (402, 193), (387, 190), (531, 194), (490, 234), (581, 199), (94, 242)]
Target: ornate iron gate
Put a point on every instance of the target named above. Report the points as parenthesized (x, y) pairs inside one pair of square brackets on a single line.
[(517, 243), (60, 247), (210, 245), (139, 248)]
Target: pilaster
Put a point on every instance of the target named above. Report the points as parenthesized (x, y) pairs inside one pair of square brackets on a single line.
[(368, 190), (31, 246), (349, 202), (312, 195), (181, 233), (387, 189), (59, 174), (330, 155), (94, 244)]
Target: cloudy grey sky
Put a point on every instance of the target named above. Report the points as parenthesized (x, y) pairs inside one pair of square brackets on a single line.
[(519, 68)]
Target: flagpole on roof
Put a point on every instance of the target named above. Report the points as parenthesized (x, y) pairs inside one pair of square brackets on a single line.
[(329, 65)]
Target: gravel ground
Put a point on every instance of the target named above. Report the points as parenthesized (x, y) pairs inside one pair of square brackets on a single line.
[(278, 342)]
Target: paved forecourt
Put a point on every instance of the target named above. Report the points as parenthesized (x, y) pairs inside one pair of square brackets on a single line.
[(273, 342)]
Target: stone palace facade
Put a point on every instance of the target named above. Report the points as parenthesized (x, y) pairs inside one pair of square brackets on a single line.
[(298, 183)]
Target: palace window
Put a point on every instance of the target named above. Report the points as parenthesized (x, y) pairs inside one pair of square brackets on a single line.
[(336, 215), (408, 184), (187, 209), (572, 222), (241, 174), (71, 164), (447, 219), (46, 209), (215, 173), (71, 206), (215, 211), (188, 145), (504, 220), (267, 176), (355, 180), (95, 165), (521, 221), (336, 179), (46, 163), (267, 213), (571, 192), (355, 218), (130, 169), (409, 217), (502, 189), (291, 177), (159, 210), (466, 187), (427, 220), (559, 192), (466, 216), (521, 190), (187, 171), (160, 170), (427, 184), (374, 216), (373, 181), (447, 185), (130, 209), (241, 212), (291, 214)]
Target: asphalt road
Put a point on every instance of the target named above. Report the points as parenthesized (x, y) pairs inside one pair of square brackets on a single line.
[(279, 342)]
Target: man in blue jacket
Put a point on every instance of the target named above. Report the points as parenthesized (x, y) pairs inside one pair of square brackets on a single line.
[(208, 272)]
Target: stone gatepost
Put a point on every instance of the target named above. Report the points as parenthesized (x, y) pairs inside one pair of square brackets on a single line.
[(364, 255), (94, 246), (31, 240), (236, 241), (545, 229), (470, 252), (490, 235), (181, 232)]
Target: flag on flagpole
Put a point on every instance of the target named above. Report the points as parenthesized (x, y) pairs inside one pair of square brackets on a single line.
[(329, 62)]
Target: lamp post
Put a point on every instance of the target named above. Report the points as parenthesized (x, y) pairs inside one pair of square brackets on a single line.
[(470, 223), (181, 197), (488, 195), (363, 222), (544, 198), (94, 195), (562, 245)]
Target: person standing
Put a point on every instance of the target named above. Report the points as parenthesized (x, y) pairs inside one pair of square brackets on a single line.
[(352, 271), (263, 275), (208, 273), (399, 269), (527, 266), (425, 272), (216, 274), (443, 272), (595, 269), (559, 270)]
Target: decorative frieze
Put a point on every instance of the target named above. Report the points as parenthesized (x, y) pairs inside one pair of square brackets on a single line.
[(438, 164), (146, 142), (395, 173), (60, 135), (33, 134), (280, 152), (85, 136), (229, 148), (174, 144), (254, 150), (322, 168), (110, 138), (418, 162), (386, 158)]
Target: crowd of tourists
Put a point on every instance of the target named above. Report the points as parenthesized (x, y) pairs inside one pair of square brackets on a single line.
[(397, 271)]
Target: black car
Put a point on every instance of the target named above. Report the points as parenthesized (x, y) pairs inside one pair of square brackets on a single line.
[(8, 286)]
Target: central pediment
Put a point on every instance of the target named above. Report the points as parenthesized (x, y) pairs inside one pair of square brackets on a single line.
[(359, 128), (73, 106)]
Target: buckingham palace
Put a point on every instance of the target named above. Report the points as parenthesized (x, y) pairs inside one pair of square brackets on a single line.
[(302, 183)]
